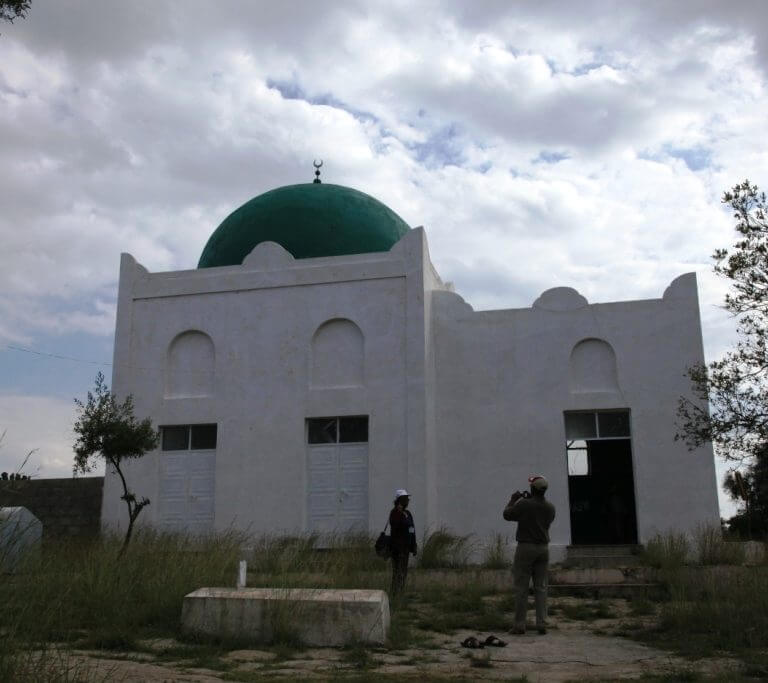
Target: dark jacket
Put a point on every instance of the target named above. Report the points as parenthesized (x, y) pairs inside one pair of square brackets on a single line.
[(403, 531), (533, 516)]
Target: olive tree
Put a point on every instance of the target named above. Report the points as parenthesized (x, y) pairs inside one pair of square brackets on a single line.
[(107, 429)]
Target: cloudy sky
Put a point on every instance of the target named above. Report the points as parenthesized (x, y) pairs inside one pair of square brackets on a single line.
[(540, 143)]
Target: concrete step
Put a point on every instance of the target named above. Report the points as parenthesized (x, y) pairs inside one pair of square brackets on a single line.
[(632, 591), (602, 575), (602, 550), (599, 561)]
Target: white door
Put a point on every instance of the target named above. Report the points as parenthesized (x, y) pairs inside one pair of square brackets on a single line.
[(323, 490), (187, 492), (337, 491)]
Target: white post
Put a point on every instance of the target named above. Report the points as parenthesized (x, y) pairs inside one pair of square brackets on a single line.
[(241, 574)]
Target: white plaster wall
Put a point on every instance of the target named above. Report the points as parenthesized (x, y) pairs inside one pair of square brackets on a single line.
[(463, 405), (262, 317), (503, 385)]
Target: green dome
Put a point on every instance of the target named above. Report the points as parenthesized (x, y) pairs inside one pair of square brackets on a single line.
[(308, 220)]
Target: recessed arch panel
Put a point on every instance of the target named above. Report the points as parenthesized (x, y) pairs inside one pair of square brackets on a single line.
[(593, 367), (338, 355), (190, 365)]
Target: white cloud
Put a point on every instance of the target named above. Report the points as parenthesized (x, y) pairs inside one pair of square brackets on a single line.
[(540, 143)]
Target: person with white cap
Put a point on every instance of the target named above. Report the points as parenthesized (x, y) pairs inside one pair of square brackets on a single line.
[(403, 539), (533, 515)]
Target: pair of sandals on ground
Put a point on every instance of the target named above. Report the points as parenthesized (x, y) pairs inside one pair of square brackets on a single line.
[(490, 641)]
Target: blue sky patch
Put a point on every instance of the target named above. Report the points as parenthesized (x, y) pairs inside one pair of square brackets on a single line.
[(61, 363), (695, 158), (290, 90), (550, 157), (442, 148)]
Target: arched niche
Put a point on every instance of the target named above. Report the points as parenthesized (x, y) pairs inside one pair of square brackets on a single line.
[(338, 355), (190, 365), (593, 367)]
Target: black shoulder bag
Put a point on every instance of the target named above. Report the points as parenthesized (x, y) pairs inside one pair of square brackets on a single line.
[(383, 545)]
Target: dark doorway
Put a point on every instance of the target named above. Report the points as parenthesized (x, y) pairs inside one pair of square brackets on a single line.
[(601, 486)]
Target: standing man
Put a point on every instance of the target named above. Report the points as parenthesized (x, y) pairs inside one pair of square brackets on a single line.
[(533, 515)]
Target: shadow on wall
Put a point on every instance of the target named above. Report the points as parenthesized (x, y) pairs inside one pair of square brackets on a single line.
[(191, 365), (338, 355), (593, 367)]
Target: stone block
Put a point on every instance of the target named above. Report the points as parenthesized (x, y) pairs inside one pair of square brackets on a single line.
[(314, 616), (20, 533)]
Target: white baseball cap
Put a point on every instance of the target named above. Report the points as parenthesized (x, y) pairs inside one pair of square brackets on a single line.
[(399, 493)]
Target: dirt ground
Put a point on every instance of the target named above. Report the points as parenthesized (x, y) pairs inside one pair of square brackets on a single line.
[(574, 649)]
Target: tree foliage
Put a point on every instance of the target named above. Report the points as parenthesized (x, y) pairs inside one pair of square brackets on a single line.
[(730, 408), (750, 486), (13, 9), (108, 429), (731, 394)]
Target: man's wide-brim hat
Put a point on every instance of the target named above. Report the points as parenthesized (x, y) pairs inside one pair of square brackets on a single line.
[(538, 482)]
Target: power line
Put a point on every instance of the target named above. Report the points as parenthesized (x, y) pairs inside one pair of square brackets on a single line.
[(54, 355), (185, 371)]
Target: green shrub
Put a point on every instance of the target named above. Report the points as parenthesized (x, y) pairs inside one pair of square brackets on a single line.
[(440, 549)]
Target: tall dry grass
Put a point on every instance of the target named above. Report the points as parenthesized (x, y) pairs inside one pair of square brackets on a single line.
[(81, 593), (712, 548), (442, 549), (310, 560), (718, 608), (496, 552), (715, 603), (670, 550)]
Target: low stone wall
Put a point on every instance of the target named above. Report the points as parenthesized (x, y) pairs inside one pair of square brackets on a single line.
[(320, 617), (67, 508)]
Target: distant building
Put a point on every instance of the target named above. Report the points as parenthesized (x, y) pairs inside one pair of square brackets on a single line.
[(315, 361)]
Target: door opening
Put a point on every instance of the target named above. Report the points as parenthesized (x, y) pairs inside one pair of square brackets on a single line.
[(601, 487)]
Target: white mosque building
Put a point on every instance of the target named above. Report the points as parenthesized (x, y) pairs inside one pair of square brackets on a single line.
[(314, 362)]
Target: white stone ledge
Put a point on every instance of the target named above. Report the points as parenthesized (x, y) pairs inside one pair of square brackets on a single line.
[(315, 616)]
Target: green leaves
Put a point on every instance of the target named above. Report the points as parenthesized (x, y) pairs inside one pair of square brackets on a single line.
[(108, 428), (13, 9), (730, 407)]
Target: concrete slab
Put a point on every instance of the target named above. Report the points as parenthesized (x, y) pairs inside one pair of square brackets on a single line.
[(314, 616)]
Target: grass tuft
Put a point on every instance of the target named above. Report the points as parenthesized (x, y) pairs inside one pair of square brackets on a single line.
[(713, 549), (440, 549), (667, 551), (496, 553)]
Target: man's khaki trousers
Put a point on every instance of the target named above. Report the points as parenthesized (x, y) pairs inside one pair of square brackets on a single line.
[(531, 560)]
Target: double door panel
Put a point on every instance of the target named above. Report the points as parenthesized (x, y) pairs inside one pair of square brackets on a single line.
[(187, 492), (337, 488)]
